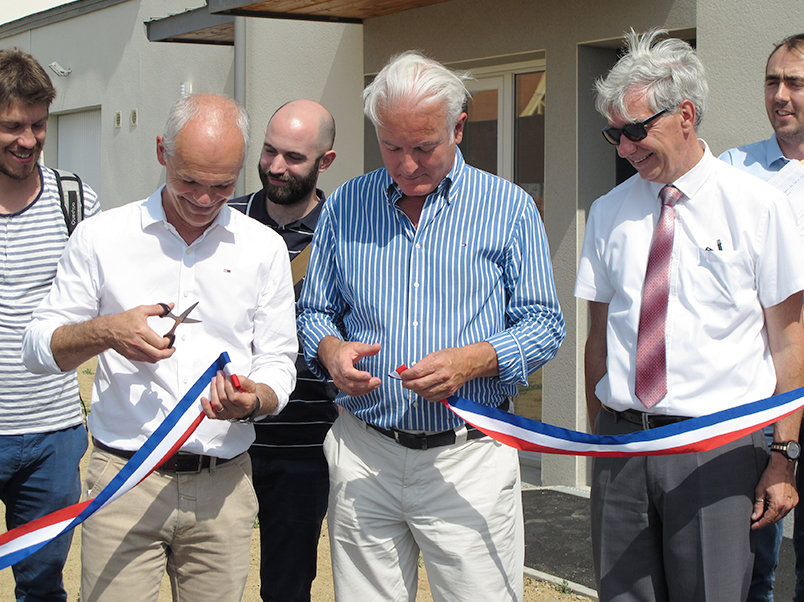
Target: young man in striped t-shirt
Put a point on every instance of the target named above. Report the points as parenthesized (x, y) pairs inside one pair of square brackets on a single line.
[(42, 436), (290, 472)]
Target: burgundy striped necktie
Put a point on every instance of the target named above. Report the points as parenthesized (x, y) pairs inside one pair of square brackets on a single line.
[(651, 359)]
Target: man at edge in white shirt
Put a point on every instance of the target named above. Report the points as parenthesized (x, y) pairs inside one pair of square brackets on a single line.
[(181, 246)]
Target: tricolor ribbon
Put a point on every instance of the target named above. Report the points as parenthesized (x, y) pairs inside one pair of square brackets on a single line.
[(694, 435), (176, 428)]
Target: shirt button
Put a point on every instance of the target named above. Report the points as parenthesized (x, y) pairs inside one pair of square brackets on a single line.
[(415, 285), (415, 323), (189, 252), (415, 404), (418, 246), (185, 293), (184, 337), (185, 380)]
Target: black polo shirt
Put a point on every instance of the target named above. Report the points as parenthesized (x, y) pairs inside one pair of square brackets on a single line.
[(300, 428)]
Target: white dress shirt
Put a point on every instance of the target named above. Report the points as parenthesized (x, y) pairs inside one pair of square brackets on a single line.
[(237, 270), (736, 251)]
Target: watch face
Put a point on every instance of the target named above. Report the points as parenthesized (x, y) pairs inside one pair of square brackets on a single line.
[(793, 450)]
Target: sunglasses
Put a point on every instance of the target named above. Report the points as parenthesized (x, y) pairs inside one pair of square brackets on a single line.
[(633, 131)]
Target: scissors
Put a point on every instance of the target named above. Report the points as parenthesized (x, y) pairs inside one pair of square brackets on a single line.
[(177, 320)]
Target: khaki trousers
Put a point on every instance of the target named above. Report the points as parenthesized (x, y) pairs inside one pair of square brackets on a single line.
[(460, 504), (197, 526)]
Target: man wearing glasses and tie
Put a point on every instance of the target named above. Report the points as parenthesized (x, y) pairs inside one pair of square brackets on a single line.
[(694, 280)]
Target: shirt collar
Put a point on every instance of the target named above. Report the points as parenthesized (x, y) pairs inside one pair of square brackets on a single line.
[(308, 222), (445, 188), (153, 212), (692, 181), (773, 152)]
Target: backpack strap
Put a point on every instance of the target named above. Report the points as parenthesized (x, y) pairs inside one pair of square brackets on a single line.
[(71, 193), (298, 265)]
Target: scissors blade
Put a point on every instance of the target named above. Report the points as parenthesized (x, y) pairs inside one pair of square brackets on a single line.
[(185, 313), (166, 313), (182, 318)]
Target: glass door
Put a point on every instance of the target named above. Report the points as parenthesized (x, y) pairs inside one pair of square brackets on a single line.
[(504, 135)]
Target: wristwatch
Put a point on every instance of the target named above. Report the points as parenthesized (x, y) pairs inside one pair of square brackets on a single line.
[(789, 449), (251, 417)]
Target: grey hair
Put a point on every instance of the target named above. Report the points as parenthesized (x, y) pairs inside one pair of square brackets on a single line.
[(414, 78), (667, 70), (188, 107)]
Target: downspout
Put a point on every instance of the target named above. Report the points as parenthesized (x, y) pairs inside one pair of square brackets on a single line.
[(240, 82)]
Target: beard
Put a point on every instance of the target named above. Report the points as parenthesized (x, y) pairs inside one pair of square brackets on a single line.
[(294, 191), (22, 172)]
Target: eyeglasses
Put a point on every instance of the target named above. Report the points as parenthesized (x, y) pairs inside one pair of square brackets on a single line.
[(633, 131)]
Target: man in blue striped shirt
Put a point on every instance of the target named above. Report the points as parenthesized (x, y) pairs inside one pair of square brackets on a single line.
[(436, 265)]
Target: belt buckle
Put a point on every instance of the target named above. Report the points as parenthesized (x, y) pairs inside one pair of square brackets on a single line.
[(645, 421), (198, 468)]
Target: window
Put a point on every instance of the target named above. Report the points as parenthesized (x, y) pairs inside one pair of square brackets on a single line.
[(504, 135)]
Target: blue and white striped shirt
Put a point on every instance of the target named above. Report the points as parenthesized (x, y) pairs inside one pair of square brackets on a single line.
[(31, 243), (477, 268)]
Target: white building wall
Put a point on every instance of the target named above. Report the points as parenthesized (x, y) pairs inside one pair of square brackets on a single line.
[(115, 67), (734, 42), (286, 60)]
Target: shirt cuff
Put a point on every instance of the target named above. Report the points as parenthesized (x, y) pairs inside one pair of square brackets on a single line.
[(311, 339), (511, 361), (36, 352)]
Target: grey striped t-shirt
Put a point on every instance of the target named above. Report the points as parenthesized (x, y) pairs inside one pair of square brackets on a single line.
[(31, 243)]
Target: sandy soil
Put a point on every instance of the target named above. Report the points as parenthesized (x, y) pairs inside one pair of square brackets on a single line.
[(322, 591), (535, 590)]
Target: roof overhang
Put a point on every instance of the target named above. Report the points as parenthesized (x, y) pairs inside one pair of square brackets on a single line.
[(351, 11), (193, 26), (214, 23)]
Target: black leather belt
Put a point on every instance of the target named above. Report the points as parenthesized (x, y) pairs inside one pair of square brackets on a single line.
[(643, 419), (424, 441), (179, 462)]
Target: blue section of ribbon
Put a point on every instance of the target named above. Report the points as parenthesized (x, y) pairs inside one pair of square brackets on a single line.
[(640, 436), (136, 460)]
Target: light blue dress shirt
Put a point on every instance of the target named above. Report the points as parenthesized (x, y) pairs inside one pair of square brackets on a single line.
[(477, 268), (761, 159)]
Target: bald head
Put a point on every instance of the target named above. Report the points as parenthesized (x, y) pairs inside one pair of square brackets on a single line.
[(297, 148), (214, 114), (203, 150), (308, 120)]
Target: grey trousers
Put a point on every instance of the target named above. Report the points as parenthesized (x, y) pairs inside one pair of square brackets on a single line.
[(675, 528)]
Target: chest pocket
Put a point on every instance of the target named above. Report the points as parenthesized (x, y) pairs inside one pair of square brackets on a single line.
[(722, 278)]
